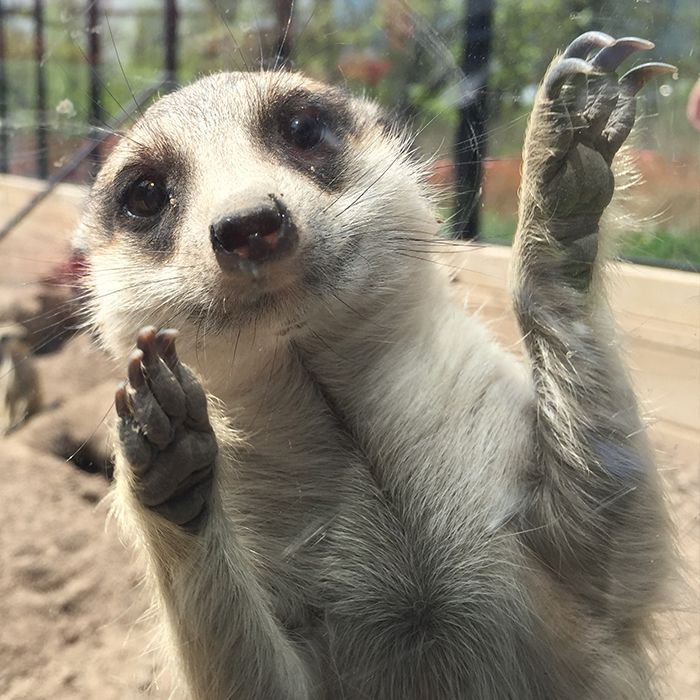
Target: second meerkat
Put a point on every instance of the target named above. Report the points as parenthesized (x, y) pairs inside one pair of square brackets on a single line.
[(349, 490)]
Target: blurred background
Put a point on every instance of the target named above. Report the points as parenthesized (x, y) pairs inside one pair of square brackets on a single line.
[(463, 74)]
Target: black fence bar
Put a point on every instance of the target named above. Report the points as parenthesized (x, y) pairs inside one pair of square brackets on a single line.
[(42, 142), (171, 43), (4, 94), (94, 55), (470, 149)]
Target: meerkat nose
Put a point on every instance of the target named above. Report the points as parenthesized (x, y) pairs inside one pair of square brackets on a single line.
[(257, 234)]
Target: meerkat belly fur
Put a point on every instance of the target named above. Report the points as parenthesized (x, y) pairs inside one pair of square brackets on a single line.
[(346, 488)]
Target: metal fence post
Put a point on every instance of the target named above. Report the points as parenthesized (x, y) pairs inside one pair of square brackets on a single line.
[(94, 46), (171, 43), (470, 148), (4, 92), (42, 143)]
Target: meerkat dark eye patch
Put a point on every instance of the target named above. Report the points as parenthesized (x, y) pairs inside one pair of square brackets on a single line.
[(143, 200), (307, 131)]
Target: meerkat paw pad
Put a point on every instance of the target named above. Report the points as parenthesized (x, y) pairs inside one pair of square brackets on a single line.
[(585, 113), (164, 430)]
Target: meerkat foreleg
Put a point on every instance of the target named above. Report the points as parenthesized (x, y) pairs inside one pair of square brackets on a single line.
[(168, 459), (593, 513)]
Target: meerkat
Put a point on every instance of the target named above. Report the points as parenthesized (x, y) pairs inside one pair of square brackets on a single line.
[(345, 488), (20, 396)]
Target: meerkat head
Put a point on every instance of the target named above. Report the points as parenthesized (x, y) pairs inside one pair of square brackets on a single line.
[(242, 199)]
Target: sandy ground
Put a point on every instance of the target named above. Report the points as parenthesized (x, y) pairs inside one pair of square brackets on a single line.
[(71, 604)]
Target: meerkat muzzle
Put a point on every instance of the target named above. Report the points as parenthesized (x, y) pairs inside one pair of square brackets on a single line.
[(257, 234)]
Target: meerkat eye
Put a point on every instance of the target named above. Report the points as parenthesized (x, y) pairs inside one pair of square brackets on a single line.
[(305, 130), (145, 198)]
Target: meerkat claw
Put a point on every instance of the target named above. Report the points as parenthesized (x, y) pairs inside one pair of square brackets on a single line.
[(165, 343), (622, 118), (635, 78), (583, 45), (120, 402), (563, 71), (610, 57), (162, 381)]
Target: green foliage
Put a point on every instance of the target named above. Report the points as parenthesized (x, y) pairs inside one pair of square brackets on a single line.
[(663, 245)]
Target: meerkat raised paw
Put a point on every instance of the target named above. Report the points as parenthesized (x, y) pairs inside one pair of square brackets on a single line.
[(164, 431), (581, 118), (591, 448)]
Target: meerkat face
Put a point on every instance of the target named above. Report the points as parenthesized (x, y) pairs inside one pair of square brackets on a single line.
[(261, 198)]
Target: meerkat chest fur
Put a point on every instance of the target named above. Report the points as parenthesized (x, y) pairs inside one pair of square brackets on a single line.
[(343, 486)]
